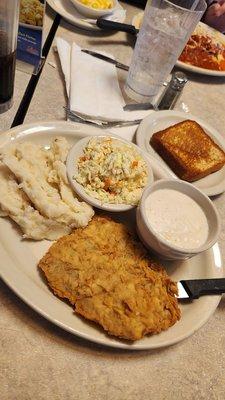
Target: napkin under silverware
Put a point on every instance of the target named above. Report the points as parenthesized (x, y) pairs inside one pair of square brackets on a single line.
[(92, 85)]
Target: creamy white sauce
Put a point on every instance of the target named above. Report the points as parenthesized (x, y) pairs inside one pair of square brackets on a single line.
[(177, 218)]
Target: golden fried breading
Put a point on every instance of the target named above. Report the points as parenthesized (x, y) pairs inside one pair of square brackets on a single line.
[(107, 274)]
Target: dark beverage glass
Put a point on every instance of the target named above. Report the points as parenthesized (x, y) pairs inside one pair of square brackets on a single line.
[(9, 15)]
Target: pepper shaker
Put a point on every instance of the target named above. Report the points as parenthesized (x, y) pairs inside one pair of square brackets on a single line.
[(173, 91)]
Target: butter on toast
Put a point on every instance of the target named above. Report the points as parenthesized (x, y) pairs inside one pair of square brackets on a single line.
[(188, 150)]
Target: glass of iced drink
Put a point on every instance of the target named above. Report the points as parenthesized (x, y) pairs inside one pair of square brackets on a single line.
[(166, 27), (9, 14)]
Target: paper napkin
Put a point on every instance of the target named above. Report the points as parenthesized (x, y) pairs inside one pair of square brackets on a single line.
[(92, 85)]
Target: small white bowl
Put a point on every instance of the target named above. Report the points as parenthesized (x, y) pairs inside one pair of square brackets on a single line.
[(93, 12), (164, 248), (71, 164)]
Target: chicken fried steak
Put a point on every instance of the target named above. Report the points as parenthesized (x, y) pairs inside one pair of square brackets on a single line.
[(107, 274)]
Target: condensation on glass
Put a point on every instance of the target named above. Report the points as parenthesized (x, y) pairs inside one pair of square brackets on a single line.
[(166, 27)]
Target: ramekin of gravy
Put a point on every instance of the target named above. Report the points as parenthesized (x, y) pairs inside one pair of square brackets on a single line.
[(176, 220)]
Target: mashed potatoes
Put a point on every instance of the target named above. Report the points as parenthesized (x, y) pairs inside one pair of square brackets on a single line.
[(35, 193), (112, 171), (16, 205)]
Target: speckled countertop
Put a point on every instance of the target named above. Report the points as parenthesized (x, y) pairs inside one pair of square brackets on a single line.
[(39, 361)]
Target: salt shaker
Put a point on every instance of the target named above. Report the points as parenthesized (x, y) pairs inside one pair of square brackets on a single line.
[(173, 91)]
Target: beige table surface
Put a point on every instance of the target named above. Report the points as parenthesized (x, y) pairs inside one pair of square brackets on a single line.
[(39, 361)]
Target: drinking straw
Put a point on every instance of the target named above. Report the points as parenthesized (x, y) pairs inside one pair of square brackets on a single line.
[(194, 4), (27, 97)]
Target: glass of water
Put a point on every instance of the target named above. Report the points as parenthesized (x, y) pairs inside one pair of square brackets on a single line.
[(167, 26)]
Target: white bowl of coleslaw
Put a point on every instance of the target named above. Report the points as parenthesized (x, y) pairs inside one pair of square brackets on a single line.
[(108, 172)]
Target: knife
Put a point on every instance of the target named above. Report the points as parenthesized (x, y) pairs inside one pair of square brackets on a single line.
[(105, 58), (116, 26), (193, 289)]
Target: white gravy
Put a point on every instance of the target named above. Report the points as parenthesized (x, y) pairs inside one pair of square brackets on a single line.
[(177, 218)]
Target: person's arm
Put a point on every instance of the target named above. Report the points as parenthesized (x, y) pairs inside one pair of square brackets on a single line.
[(215, 15)]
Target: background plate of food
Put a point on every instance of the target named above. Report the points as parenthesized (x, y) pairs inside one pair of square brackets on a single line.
[(101, 238), (204, 53), (31, 14), (68, 11)]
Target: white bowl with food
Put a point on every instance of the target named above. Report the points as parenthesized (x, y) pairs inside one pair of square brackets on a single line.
[(108, 172), (176, 220), (95, 8)]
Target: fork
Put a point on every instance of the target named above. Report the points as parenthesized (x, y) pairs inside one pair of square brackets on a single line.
[(76, 117)]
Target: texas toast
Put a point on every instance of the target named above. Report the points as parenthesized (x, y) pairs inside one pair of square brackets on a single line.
[(188, 150)]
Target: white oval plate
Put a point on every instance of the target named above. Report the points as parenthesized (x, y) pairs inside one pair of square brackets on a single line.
[(72, 170), (19, 258), (212, 184), (198, 70), (204, 29), (68, 11)]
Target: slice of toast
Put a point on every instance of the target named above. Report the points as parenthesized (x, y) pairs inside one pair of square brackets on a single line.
[(188, 150)]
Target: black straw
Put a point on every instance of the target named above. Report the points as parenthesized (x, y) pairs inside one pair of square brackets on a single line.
[(27, 97)]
